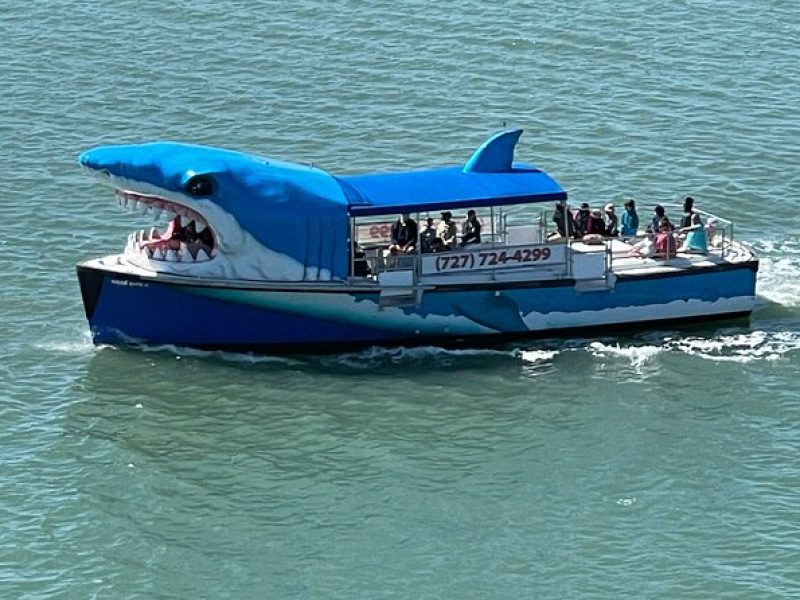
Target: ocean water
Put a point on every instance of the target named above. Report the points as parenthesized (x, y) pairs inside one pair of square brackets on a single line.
[(661, 465)]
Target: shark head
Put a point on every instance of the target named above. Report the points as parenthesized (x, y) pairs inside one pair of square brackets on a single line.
[(229, 214)]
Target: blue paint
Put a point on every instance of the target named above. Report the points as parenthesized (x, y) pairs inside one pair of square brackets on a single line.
[(187, 316)]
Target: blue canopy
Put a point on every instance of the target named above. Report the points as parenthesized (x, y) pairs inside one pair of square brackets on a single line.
[(489, 178)]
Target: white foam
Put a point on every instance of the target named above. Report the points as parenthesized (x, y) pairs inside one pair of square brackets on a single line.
[(537, 356), (236, 357), (82, 344), (779, 271), (637, 355), (740, 348)]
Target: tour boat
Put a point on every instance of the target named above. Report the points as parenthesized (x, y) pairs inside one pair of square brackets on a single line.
[(262, 255)]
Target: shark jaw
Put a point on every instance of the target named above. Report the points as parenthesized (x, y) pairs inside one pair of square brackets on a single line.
[(202, 240), (187, 237)]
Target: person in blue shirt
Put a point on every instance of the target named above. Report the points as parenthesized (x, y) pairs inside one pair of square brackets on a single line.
[(629, 220)]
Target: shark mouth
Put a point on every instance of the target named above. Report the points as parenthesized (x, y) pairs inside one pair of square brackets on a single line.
[(188, 238)]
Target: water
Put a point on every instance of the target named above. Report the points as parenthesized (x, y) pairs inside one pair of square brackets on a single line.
[(659, 465)]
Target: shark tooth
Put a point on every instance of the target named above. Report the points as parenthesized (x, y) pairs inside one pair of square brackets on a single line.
[(171, 256), (157, 210), (154, 235), (144, 235)]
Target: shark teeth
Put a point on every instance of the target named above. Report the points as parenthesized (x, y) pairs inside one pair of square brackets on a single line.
[(187, 239)]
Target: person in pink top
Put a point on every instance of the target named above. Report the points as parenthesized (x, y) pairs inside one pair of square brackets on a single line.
[(665, 242)]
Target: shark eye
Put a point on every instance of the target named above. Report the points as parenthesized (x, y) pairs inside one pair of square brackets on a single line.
[(200, 185)]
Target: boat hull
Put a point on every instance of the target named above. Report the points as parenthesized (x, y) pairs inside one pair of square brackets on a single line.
[(129, 308)]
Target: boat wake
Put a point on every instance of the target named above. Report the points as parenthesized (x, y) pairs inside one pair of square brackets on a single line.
[(779, 271), (758, 345)]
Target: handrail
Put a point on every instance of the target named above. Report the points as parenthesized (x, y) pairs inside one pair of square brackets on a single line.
[(720, 232)]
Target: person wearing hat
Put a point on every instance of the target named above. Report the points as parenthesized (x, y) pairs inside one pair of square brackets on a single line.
[(427, 237), (581, 220), (447, 232), (595, 224), (610, 221)]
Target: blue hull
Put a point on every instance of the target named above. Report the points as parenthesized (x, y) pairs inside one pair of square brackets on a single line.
[(126, 308)]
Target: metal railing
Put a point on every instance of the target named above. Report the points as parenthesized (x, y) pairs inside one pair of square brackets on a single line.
[(540, 222)]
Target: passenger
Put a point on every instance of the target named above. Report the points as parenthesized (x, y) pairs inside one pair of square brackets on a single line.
[(695, 240), (427, 238), (711, 233), (580, 220), (360, 264), (645, 248), (446, 233), (565, 224), (630, 220), (688, 211), (471, 229), (594, 228), (404, 236), (659, 214), (610, 221), (665, 240)]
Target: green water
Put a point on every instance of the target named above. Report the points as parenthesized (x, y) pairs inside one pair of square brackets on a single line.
[(662, 465)]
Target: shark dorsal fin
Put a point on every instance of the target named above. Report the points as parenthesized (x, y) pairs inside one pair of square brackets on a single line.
[(495, 155)]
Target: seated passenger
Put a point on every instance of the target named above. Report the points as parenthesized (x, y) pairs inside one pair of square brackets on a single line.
[(471, 229), (446, 233), (665, 243), (360, 264), (594, 228), (565, 224), (630, 220), (427, 238), (610, 221), (658, 215), (695, 240), (580, 220), (711, 233), (404, 236), (688, 211), (645, 248)]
